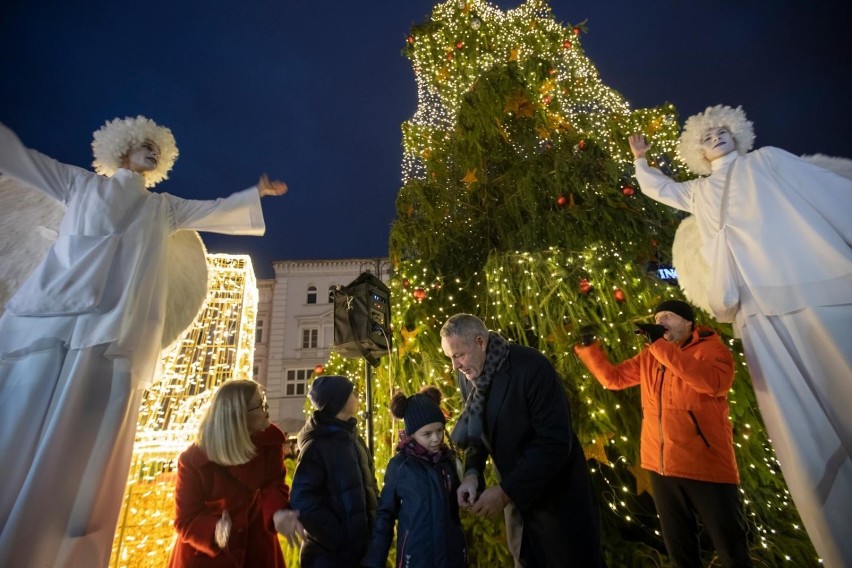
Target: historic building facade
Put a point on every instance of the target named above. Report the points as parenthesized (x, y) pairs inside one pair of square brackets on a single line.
[(295, 328)]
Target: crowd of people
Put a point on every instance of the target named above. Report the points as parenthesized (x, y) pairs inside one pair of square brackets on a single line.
[(79, 341)]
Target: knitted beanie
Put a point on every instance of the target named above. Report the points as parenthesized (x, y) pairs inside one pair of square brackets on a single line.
[(682, 309), (422, 410), (329, 393)]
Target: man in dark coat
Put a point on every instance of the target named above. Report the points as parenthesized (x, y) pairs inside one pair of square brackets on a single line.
[(516, 411), (334, 485)]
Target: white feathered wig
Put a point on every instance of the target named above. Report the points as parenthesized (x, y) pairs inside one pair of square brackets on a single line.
[(116, 137), (689, 144)]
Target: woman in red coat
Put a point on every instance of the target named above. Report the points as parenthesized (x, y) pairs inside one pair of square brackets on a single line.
[(231, 500)]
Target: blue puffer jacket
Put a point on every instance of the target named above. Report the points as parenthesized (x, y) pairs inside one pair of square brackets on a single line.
[(334, 490), (421, 494)]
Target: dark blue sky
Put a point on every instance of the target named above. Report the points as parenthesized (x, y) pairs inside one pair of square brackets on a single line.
[(314, 91)]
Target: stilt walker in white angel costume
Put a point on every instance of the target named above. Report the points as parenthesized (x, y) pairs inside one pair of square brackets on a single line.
[(774, 234), (81, 336)]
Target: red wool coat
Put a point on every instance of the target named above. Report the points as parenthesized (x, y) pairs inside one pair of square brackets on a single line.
[(686, 431), (251, 492)]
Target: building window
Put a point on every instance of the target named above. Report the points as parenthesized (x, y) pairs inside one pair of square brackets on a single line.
[(331, 290), (312, 294), (258, 331), (296, 382), (309, 337), (256, 373)]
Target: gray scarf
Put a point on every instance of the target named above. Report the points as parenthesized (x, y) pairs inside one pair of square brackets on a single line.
[(468, 430)]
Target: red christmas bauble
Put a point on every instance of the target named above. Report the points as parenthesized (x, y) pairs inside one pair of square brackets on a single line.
[(547, 99), (576, 30), (411, 40), (406, 282), (449, 57), (319, 369), (581, 144), (627, 190), (619, 295), (459, 44), (562, 201), (655, 243), (419, 294), (585, 287), (566, 44)]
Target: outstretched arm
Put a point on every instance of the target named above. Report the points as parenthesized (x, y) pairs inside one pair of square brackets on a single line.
[(654, 183), (32, 168)]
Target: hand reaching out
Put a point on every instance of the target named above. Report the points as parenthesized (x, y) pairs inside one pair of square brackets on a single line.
[(287, 523), (638, 145), (267, 187)]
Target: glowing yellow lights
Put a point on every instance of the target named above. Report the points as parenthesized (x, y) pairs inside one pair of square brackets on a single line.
[(218, 346)]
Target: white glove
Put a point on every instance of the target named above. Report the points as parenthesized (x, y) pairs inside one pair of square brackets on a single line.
[(223, 529), (287, 523)]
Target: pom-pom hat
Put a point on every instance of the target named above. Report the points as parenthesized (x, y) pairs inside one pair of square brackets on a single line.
[(329, 394), (116, 137), (422, 410)]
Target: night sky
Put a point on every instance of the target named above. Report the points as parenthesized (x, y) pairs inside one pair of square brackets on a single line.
[(314, 91)]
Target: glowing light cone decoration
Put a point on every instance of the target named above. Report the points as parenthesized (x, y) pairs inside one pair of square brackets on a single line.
[(217, 347), (511, 116)]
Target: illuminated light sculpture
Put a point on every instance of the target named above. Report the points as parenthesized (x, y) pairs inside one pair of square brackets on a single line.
[(217, 347)]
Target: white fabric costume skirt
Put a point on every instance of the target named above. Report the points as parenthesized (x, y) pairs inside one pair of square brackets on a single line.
[(67, 426), (801, 369)]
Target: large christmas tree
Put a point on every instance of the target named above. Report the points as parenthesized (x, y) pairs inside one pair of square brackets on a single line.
[(518, 205)]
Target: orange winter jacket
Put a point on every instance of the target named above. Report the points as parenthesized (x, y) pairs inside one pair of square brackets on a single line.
[(685, 427)]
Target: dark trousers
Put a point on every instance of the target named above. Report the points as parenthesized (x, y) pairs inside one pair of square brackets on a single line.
[(718, 505)]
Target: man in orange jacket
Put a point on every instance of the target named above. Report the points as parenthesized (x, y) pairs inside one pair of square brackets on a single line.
[(687, 442)]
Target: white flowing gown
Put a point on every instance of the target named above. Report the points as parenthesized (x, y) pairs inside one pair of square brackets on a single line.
[(789, 231), (79, 343)]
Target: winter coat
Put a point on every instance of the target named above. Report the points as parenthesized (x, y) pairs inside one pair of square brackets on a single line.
[(542, 469), (420, 494), (335, 493), (685, 427), (251, 493)]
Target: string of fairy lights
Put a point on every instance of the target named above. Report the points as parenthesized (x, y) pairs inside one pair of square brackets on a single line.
[(217, 347)]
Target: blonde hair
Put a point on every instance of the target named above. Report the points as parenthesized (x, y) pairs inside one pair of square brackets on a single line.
[(116, 137), (223, 433), (733, 119)]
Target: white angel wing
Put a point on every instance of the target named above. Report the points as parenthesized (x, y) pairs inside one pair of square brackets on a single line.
[(29, 224), (187, 283), (693, 272)]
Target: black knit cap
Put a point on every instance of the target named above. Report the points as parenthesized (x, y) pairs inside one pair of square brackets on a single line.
[(329, 393), (422, 410), (682, 309)]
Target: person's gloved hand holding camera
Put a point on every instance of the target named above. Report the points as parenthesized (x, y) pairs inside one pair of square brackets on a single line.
[(587, 335), (652, 331)]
